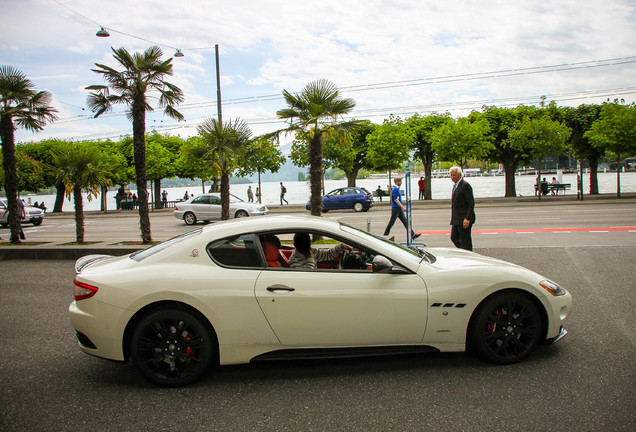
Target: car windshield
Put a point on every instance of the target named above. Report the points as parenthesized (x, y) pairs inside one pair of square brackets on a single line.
[(145, 253), (235, 199)]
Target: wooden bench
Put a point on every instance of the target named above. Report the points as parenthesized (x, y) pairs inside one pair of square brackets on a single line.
[(554, 188)]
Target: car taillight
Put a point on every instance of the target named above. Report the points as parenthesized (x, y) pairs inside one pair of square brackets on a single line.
[(83, 291)]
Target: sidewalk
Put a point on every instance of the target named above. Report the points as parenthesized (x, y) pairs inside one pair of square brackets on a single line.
[(53, 250)]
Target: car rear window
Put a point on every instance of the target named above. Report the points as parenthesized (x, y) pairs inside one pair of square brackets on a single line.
[(236, 251)]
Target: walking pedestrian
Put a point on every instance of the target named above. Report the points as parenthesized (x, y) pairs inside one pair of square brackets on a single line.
[(283, 191), (398, 209), (462, 210), (164, 199), (250, 194)]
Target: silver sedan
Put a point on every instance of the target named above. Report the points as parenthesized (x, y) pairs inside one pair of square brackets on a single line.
[(207, 207)]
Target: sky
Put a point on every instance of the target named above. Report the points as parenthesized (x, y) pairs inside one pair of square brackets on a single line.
[(395, 57)]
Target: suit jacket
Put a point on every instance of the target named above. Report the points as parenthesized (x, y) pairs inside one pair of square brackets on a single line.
[(462, 204)]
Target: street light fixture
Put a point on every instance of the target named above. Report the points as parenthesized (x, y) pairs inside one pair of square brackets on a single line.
[(178, 53), (102, 33)]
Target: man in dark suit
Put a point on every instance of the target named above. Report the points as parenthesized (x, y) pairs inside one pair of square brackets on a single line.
[(462, 210)]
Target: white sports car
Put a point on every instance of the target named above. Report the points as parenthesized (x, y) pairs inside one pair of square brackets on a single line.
[(224, 294), (207, 207)]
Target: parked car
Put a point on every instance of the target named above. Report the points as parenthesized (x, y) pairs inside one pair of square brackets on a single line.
[(32, 215), (224, 294), (207, 207), (346, 198)]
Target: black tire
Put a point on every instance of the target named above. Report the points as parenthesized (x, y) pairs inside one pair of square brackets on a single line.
[(506, 328), (189, 218), (324, 210), (37, 222), (358, 207), (241, 213), (172, 347)]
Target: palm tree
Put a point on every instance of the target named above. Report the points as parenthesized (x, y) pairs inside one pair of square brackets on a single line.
[(77, 166), (309, 111), (225, 142), (143, 73), (20, 106)]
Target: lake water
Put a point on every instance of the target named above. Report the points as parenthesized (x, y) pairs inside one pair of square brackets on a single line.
[(298, 192)]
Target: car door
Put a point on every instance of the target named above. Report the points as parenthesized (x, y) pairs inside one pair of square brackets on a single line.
[(317, 308), (330, 201), (214, 208)]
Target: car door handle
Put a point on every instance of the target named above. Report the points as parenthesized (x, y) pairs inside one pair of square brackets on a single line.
[(274, 288)]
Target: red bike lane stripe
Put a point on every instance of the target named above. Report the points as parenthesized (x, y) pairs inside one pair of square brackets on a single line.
[(536, 230)]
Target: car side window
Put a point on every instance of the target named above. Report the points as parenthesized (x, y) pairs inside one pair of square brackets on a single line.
[(200, 200), (215, 200), (350, 191), (235, 251)]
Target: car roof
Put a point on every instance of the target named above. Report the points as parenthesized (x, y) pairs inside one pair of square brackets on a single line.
[(275, 222)]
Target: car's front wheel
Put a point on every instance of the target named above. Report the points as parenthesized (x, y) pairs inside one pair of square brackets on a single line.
[(172, 347), (240, 214), (506, 328), (37, 222), (189, 218), (358, 207)]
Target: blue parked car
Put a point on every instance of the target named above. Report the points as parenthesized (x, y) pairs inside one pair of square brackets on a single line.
[(356, 198)]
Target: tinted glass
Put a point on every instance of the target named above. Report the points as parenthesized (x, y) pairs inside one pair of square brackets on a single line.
[(236, 251)]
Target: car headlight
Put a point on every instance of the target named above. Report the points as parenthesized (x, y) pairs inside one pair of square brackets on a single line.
[(552, 287)]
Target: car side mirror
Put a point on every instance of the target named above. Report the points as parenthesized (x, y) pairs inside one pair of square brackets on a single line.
[(382, 264)]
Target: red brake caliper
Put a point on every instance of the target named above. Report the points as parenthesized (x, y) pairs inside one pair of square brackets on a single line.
[(493, 326), (189, 350)]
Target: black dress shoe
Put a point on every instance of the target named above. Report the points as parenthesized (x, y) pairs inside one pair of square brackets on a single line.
[(414, 236)]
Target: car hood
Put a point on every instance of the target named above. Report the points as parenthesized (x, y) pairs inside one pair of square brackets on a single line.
[(451, 258)]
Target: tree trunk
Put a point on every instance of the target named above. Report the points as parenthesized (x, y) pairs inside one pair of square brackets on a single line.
[(427, 161), (10, 176), (593, 161), (103, 198), (79, 214), (315, 172), (60, 190), (225, 196), (510, 170), (139, 144), (618, 176), (157, 185), (351, 177), (260, 191)]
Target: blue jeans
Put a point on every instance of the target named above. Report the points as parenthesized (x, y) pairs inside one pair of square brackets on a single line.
[(396, 213)]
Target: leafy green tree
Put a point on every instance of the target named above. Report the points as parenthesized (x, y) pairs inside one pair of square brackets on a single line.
[(261, 155), (580, 120), (77, 167), (510, 155), (226, 143), (143, 74), (194, 162), (615, 132), (389, 145), (41, 151), (542, 136), (461, 140), (348, 151), (113, 164), (20, 106), (30, 172), (309, 111), (163, 152), (422, 129)]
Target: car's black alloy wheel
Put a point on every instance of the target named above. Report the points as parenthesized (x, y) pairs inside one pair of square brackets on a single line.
[(172, 347), (507, 328)]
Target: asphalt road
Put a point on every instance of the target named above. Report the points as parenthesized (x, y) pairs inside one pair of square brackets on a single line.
[(586, 382), (499, 224)]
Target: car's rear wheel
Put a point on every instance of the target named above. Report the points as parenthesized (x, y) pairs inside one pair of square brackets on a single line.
[(506, 328), (358, 207), (240, 214), (172, 347), (189, 218)]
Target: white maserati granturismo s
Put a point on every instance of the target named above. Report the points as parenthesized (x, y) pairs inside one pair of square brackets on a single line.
[(225, 294)]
